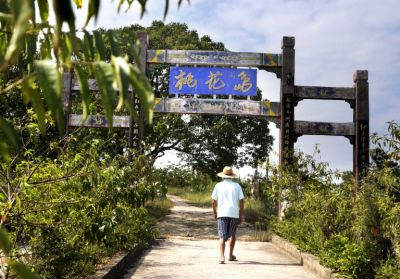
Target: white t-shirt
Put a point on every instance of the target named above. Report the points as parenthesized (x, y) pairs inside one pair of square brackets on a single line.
[(228, 193)]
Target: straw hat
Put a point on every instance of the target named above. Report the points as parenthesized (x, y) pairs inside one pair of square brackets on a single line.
[(227, 173)]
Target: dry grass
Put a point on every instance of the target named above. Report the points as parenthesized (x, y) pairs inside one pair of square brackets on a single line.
[(259, 212), (158, 208), (200, 199)]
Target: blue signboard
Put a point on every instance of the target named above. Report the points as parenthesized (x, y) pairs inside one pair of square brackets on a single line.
[(210, 81)]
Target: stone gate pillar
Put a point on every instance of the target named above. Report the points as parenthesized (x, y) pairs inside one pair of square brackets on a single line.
[(135, 132), (361, 115), (287, 100)]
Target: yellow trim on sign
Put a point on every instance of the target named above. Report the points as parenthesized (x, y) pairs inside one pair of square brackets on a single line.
[(156, 102), (268, 104), (270, 58)]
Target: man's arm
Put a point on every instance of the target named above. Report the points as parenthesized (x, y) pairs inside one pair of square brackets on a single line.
[(241, 211), (214, 206)]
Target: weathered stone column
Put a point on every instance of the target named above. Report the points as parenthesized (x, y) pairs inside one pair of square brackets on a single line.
[(287, 100), (362, 124), (286, 137), (135, 132)]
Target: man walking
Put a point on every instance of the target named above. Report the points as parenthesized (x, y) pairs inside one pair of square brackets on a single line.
[(228, 194)]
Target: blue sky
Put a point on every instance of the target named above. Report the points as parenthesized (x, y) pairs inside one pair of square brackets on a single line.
[(333, 39)]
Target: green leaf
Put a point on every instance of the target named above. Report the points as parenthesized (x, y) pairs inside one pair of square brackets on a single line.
[(6, 17), (121, 2), (5, 242), (45, 48), (3, 47), (83, 85), (17, 40), (22, 270), (143, 7), (10, 134), (34, 97), (132, 48), (4, 150), (66, 51), (64, 12), (100, 45), (31, 42), (16, 7), (3, 197), (105, 78), (166, 8), (122, 76), (33, 7), (50, 81), (92, 11), (4, 101), (113, 38), (86, 55), (143, 90), (88, 39), (43, 10), (78, 3)]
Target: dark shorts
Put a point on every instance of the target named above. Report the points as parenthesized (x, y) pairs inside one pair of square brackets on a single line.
[(227, 227)]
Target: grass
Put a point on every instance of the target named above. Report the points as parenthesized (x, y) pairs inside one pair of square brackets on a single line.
[(259, 213), (158, 208), (200, 199)]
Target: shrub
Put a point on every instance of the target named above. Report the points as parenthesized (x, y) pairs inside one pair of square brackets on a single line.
[(347, 258), (389, 269)]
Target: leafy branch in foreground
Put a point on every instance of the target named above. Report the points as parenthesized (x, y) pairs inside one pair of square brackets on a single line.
[(52, 199), (21, 37)]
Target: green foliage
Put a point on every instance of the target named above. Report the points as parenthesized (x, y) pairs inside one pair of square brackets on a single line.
[(21, 65), (66, 208), (353, 235), (69, 208), (317, 203), (347, 258), (389, 269), (178, 176), (390, 140)]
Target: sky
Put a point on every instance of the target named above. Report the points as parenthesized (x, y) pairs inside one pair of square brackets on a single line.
[(334, 38)]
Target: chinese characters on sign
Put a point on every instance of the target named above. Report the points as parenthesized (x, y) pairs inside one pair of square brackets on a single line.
[(287, 134), (136, 129), (363, 152), (210, 81)]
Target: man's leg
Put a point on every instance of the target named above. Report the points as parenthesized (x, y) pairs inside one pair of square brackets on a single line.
[(231, 246), (222, 249)]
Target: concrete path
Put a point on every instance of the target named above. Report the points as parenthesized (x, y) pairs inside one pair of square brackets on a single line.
[(190, 250)]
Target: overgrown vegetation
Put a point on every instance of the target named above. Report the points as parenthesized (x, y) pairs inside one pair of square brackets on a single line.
[(65, 214), (353, 228)]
